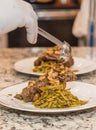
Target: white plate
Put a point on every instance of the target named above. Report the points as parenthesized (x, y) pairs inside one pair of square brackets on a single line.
[(83, 91), (83, 65)]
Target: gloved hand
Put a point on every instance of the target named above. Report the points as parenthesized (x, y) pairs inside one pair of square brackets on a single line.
[(18, 13), (80, 26)]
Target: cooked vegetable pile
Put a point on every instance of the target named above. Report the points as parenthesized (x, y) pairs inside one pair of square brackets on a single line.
[(51, 58), (44, 66), (57, 97)]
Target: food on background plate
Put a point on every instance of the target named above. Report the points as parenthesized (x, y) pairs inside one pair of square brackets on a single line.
[(49, 90), (50, 59)]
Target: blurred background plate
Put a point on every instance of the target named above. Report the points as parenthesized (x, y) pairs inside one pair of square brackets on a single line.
[(82, 65)]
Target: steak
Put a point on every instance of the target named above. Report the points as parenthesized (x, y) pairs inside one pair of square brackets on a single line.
[(53, 54)]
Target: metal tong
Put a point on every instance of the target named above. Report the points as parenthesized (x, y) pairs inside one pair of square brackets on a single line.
[(65, 47)]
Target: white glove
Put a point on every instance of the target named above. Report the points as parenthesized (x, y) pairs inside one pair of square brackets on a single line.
[(80, 26), (18, 13)]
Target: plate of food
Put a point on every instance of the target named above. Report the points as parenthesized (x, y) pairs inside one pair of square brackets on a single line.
[(54, 92), (50, 59), (84, 94)]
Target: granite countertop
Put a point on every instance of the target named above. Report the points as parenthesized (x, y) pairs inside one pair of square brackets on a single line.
[(17, 120)]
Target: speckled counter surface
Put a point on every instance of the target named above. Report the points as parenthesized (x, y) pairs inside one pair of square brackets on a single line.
[(17, 120)]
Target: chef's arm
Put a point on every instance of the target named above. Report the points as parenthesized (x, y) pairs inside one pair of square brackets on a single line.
[(18, 13), (80, 26)]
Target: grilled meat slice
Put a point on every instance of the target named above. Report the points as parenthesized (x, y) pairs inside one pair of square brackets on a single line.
[(32, 89), (59, 75), (45, 57), (67, 77), (52, 54)]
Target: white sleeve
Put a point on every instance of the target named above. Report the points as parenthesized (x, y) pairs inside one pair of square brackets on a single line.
[(80, 26)]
